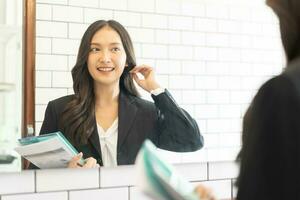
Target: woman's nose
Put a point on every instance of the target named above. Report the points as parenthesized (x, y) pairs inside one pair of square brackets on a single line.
[(105, 57)]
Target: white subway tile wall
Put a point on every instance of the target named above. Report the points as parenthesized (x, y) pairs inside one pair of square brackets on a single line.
[(136, 194), (12, 183), (109, 183), (118, 176), (51, 180), (107, 193), (193, 171), (212, 55), (38, 196), (222, 170)]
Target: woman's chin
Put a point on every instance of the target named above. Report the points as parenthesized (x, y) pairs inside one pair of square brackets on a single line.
[(106, 81)]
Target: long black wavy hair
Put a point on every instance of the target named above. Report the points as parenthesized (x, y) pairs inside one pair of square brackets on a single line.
[(78, 118)]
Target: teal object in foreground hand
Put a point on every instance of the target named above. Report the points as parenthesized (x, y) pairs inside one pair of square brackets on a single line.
[(159, 179)]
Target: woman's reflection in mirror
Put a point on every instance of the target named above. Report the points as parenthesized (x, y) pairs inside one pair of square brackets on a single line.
[(105, 119)]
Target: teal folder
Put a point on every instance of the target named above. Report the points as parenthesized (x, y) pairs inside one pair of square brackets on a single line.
[(51, 150), (159, 179)]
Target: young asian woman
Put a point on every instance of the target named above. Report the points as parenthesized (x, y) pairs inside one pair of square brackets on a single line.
[(105, 118)]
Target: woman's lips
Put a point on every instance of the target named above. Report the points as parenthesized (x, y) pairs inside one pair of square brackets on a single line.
[(105, 69)]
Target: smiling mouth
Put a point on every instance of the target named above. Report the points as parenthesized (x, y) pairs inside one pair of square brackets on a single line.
[(105, 69)]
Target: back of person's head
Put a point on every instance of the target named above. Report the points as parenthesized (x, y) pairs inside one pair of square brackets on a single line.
[(270, 154), (288, 12)]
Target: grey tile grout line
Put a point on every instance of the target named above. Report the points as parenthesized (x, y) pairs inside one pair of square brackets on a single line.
[(128, 192), (207, 170), (155, 12), (162, 29), (51, 12), (35, 182), (232, 184), (64, 190), (51, 75), (173, 15), (51, 43), (216, 180), (99, 176)]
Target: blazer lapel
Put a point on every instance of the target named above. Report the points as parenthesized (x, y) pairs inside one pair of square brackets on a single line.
[(94, 139), (127, 113)]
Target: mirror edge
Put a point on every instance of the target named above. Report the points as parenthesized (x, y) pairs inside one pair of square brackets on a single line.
[(28, 110)]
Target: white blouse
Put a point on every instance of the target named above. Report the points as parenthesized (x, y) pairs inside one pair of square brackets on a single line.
[(108, 142)]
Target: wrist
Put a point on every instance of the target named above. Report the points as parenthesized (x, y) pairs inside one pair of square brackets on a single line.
[(153, 87), (157, 91)]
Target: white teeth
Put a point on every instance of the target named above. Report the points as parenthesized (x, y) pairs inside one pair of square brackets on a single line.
[(105, 69)]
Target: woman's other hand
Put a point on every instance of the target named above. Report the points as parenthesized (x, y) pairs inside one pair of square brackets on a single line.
[(205, 193), (148, 81), (89, 162)]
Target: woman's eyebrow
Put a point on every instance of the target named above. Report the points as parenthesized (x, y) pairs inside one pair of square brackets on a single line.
[(115, 43), (98, 44)]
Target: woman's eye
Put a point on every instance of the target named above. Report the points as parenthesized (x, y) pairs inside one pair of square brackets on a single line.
[(115, 49), (94, 49)]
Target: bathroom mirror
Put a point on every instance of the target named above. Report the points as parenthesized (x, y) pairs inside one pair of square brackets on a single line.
[(212, 55)]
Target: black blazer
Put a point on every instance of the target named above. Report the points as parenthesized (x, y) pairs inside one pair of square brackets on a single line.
[(168, 126), (271, 140)]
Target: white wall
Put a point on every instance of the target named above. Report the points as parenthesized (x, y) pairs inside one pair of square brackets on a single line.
[(11, 71), (108, 183), (211, 55)]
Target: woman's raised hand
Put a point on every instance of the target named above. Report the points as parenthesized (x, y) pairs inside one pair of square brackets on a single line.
[(89, 162), (148, 83)]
